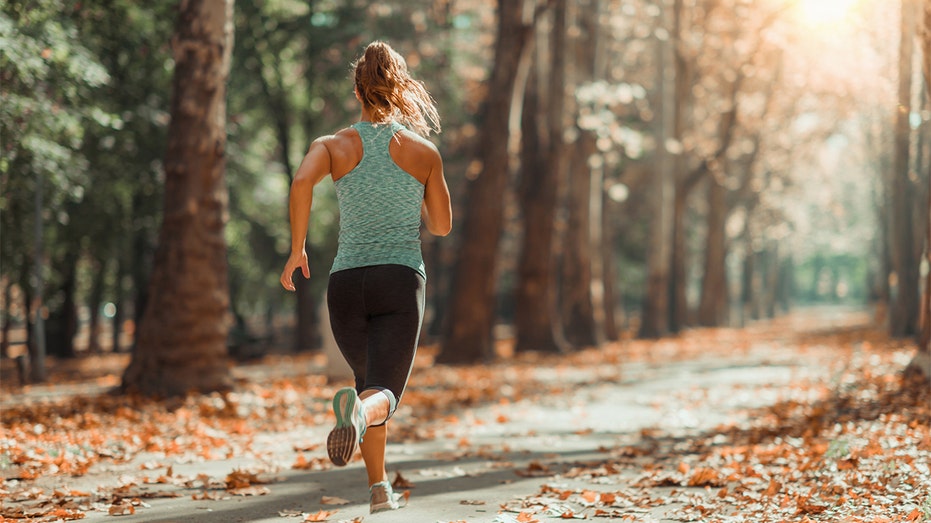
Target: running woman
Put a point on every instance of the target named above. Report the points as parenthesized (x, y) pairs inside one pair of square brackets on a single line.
[(388, 178)]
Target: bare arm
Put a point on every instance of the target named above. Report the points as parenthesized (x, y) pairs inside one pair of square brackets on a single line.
[(436, 211), (314, 167)]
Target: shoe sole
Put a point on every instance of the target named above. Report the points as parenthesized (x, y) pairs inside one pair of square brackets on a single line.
[(343, 439)]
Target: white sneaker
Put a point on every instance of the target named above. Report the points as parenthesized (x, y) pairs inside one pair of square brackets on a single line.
[(350, 426), (384, 498)]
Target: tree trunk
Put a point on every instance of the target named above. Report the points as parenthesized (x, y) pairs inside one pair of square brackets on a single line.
[(183, 334), (542, 170), (582, 279), (7, 318), (467, 334), (140, 266), (655, 316), (28, 312), (62, 325), (904, 310), (684, 181), (119, 300), (747, 280), (612, 330), (582, 329), (678, 275), (712, 308), (921, 363), (93, 305)]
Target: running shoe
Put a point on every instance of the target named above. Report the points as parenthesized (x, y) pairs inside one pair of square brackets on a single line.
[(350, 426), (384, 498)]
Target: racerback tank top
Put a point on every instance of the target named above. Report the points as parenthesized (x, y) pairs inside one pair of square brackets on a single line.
[(379, 207)]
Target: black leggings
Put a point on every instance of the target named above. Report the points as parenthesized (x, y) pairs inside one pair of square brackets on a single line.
[(376, 313)]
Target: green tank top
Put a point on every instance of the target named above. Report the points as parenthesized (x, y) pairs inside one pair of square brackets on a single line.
[(379, 207)]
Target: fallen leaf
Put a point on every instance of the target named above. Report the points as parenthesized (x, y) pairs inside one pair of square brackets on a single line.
[(400, 482), (121, 509), (254, 490), (322, 515), (333, 500)]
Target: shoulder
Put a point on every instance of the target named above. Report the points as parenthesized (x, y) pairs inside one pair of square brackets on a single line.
[(341, 143), (417, 145), (340, 138)]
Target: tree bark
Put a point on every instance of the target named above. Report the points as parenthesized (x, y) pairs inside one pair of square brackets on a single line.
[(904, 310), (542, 170), (62, 324), (582, 278), (183, 334), (655, 313), (684, 182), (612, 330), (7, 318), (921, 363), (467, 336), (93, 305), (582, 325), (712, 308)]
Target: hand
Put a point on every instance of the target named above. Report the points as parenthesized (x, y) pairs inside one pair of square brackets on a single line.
[(294, 261)]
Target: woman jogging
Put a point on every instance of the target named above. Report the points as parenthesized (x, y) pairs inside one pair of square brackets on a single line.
[(387, 180)]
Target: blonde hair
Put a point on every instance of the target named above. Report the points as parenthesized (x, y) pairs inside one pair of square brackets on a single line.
[(388, 91)]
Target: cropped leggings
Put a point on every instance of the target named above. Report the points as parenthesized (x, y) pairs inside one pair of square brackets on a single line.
[(376, 313)]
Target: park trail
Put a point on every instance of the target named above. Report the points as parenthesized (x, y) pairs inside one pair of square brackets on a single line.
[(802, 418)]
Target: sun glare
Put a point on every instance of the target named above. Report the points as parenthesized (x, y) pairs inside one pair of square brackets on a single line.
[(824, 12)]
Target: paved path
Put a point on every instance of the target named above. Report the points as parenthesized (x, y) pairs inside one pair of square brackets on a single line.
[(491, 456)]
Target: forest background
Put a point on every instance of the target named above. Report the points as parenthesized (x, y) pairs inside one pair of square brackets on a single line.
[(636, 167)]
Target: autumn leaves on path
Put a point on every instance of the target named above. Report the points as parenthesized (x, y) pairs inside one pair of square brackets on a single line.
[(800, 419)]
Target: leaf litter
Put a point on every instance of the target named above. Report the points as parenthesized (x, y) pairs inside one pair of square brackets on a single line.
[(853, 445)]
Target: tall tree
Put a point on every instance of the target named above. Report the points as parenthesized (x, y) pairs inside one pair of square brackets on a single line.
[(655, 309), (904, 309), (541, 173), (921, 363), (582, 281), (467, 335), (182, 337)]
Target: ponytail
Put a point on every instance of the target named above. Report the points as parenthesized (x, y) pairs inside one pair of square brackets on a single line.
[(389, 92)]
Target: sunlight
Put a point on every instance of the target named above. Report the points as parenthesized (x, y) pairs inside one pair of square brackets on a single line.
[(824, 12)]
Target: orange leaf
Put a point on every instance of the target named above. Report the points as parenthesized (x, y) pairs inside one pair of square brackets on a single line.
[(121, 509), (527, 517), (705, 476), (590, 496), (323, 515), (400, 482), (773, 489)]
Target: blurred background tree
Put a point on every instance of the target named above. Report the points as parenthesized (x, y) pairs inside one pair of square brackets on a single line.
[(618, 168)]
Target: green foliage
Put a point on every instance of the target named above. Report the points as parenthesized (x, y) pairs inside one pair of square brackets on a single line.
[(833, 278), (49, 79)]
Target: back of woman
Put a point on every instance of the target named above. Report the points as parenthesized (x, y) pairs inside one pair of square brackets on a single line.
[(387, 180)]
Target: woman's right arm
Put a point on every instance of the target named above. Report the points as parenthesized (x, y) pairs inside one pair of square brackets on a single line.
[(437, 210), (314, 167)]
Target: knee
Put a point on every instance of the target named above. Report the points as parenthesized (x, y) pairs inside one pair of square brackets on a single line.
[(392, 401)]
